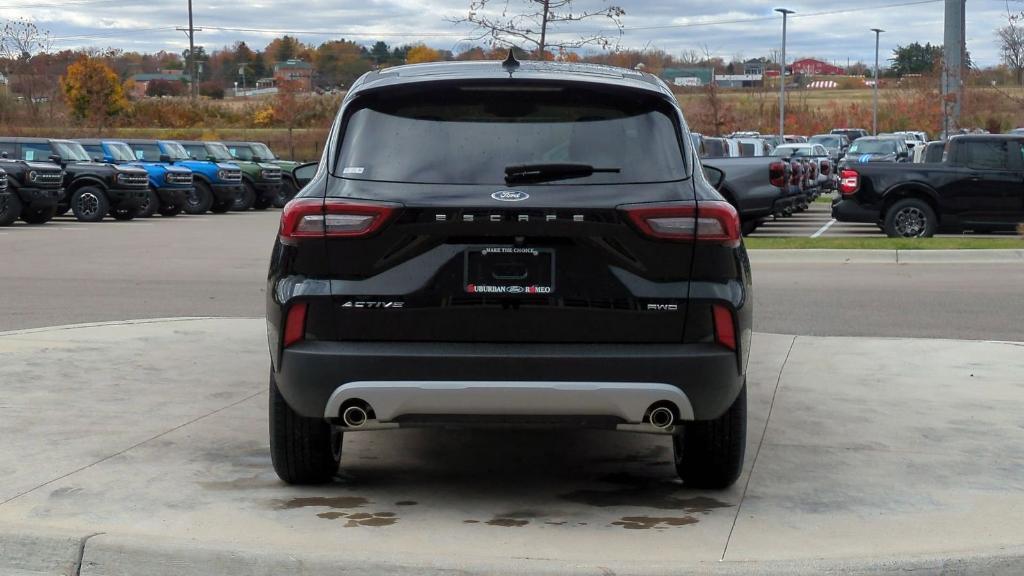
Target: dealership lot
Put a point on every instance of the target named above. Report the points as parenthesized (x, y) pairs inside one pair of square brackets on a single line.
[(166, 470)]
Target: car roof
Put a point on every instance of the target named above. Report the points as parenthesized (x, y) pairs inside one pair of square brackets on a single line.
[(536, 70), (26, 139)]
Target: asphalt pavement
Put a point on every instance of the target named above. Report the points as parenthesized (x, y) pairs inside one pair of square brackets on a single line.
[(67, 272)]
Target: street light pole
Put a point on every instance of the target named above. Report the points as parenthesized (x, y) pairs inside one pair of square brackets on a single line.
[(874, 106), (782, 77)]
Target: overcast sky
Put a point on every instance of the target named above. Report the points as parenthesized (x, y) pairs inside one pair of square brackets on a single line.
[(671, 25)]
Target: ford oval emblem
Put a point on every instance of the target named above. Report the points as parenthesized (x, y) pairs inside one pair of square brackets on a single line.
[(510, 195)]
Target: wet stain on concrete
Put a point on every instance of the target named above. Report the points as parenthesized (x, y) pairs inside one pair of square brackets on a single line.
[(470, 521), (648, 522), (360, 519), (64, 492), (562, 523), (245, 483), (406, 503), (521, 514), (644, 492), (653, 453), (508, 522), (324, 501)]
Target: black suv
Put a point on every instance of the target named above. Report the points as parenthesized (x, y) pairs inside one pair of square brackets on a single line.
[(91, 189), (34, 188), (509, 243)]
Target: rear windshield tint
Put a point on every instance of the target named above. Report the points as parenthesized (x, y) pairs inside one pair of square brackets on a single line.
[(469, 135)]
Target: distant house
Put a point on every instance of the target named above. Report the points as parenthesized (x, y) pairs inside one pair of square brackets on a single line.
[(754, 67), (142, 80), (689, 77), (296, 71), (812, 67), (739, 80)]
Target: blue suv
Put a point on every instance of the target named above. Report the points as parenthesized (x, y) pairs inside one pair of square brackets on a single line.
[(216, 185), (168, 185)]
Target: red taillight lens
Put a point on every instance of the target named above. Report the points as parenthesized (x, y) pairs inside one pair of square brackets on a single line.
[(295, 324), (849, 181), (332, 218), (712, 221), (825, 168), (798, 172), (777, 174), (725, 328)]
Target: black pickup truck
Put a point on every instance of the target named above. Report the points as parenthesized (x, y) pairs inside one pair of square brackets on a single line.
[(979, 186), (759, 187), (34, 188)]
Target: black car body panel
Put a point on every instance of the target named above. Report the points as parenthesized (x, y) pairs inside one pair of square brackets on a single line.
[(980, 183), (39, 193), (482, 258)]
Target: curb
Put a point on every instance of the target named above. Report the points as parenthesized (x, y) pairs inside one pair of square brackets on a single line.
[(839, 256), (38, 552)]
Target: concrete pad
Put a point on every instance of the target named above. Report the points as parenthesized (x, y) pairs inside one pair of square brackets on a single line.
[(27, 551), (155, 435), (822, 255)]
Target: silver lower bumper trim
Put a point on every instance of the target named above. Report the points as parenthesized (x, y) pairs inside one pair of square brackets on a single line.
[(389, 400)]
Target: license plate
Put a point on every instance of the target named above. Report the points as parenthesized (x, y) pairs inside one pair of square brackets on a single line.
[(509, 270)]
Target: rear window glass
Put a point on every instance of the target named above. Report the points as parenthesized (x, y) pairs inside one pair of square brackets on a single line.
[(746, 149), (469, 135), (715, 148)]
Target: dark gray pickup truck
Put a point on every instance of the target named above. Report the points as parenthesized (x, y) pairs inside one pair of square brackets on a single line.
[(759, 187), (979, 186)]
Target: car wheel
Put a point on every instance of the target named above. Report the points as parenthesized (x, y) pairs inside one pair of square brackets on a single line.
[(199, 200), (221, 206), (246, 198), (910, 218), (89, 204), (62, 209), (709, 454), (285, 193), (262, 203), (10, 209), (303, 450), (149, 205), (38, 216), (749, 226)]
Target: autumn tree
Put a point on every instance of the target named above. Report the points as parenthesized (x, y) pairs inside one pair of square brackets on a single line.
[(93, 91), (1011, 48), (531, 23), (422, 53), (339, 63)]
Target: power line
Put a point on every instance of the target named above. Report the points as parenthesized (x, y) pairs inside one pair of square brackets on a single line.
[(125, 32)]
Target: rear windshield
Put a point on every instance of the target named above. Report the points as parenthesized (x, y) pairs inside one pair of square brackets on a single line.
[(715, 148), (862, 146), (469, 135), (827, 141)]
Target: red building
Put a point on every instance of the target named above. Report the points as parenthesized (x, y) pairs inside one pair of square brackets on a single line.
[(812, 67)]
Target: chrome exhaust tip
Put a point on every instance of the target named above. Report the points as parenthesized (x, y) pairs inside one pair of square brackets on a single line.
[(662, 418), (354, 416)]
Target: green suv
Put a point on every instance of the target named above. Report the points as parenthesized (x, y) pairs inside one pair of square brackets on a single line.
[(261, 181), (260, 152)]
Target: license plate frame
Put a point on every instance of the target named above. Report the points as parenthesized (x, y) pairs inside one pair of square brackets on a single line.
[(508, 271)]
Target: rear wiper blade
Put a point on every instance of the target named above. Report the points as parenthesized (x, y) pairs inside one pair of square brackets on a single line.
[(548, 172)]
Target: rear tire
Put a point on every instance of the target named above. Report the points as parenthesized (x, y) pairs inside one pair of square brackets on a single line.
[(10, 209), (709, 454), (303, 450), (910, 218), (124, 214), (262, 203), (38, 216), (150, 205), (246, 198), (170, 210), (749, 226), (199, 200), (89, 204)]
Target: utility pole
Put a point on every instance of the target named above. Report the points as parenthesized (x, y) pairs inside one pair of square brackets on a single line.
[(874, 105), (192, 70), (782, 77), (953, 65)]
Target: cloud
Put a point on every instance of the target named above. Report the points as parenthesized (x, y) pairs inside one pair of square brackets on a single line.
[(747, 27)]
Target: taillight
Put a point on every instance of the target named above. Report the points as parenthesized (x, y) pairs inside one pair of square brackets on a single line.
[(713, 221), (849, 181), (332, 218), (825, 167), (295, 324), (798, 171), (725, 328), (777, 173)]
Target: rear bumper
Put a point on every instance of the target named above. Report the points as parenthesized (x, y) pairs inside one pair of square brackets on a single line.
[(173, 196), (409, 379), (845, 210), (226, 192)]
